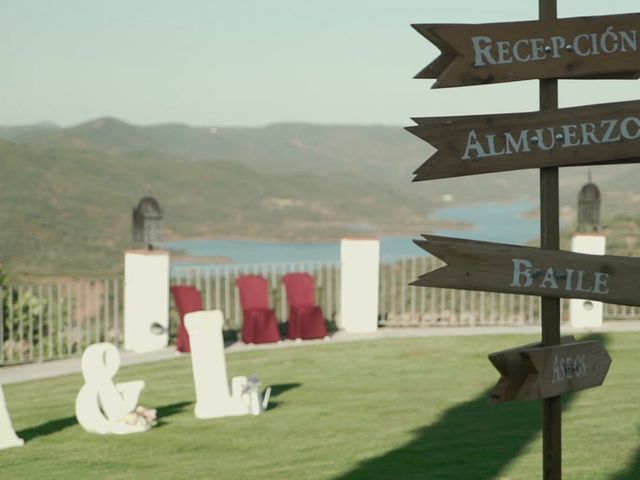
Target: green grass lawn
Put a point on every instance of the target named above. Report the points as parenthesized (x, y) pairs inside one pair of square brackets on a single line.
[(389, 409)]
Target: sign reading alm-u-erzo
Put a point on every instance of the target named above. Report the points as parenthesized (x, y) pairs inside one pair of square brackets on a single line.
[(472, 145), (497, 267), (583, 47)]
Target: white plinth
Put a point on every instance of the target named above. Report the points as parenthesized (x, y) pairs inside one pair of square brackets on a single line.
[(359, 278), (146, 299), (587, 313)]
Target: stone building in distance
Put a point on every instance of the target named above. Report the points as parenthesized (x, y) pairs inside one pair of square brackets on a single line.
[(147, 223), (589, 203)]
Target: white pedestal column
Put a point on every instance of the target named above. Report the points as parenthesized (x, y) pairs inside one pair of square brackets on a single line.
[(146, 299), (587, 313), (359, 278)]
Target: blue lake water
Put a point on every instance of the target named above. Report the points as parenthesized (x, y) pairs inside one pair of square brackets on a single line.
[(493, 222)]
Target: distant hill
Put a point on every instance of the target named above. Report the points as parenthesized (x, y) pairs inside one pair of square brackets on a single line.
[(386, 153), (66, 193), (10, 133)]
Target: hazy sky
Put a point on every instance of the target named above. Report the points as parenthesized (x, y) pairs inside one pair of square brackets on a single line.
[(254, 62)]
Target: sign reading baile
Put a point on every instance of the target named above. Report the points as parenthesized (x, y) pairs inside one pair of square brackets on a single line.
[(503, 268)]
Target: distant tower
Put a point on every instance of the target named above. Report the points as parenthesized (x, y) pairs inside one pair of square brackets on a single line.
[(589, 239), (147, 223), (589, 202), (146, 281)]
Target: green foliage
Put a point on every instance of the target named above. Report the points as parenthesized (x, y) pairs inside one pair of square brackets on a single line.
[(23, 328), (20, 327), (55, 321)]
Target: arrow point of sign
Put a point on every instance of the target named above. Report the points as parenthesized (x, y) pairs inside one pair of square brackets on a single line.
[(429, 169), (530, 386), (500, 394), (434, 277), (447, 54), (435, 68), (424, 172), (426, 130), (426, 244)]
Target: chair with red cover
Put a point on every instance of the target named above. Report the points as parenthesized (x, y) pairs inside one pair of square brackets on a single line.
[(259, 323), (306, 320), (187, 300)]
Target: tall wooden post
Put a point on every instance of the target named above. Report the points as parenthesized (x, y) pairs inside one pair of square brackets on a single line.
[(550, 307), (529, 371)]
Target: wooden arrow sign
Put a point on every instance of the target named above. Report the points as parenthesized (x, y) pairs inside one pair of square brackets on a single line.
[(560, 369), (534, 372), (497, 267), (583, 47), (514, 371), (473, 145)]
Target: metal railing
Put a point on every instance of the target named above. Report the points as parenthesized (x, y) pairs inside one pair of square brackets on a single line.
[(45, 322), (217, 285)]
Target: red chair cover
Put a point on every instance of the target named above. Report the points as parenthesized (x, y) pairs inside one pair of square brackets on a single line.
[(187, 300), (259, 323), (306, 320)]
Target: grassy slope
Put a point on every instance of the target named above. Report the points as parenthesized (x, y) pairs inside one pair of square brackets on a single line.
[(394, 409), (66, 194), (68, 211)]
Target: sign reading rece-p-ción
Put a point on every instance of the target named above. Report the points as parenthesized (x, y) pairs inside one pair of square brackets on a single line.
[(583, 47)]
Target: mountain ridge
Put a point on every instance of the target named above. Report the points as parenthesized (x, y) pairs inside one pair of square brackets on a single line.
[(72, 189)]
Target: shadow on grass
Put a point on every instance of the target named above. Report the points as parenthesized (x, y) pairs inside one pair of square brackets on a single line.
[(55, 426), (632, 472), (277, 390), (47, 428), (168, 410), (472, 440)]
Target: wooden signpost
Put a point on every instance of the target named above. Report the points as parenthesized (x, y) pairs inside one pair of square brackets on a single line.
[(498, 267), (584, 47), (513, 370), (534, 372), (547, 49), (497, 143), (564, 368)]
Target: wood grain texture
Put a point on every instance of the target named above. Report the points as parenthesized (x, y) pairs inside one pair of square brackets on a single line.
[(513, 370), (472, 145), (497, 267), (559, 369), (457, 65)]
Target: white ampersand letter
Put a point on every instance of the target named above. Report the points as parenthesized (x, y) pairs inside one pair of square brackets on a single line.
[(101, 405)]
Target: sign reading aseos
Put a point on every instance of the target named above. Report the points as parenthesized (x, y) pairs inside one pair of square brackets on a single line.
[(563, 368), (583, 47), (534, 372), (495, 143), (514, 371), (497, 267)]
